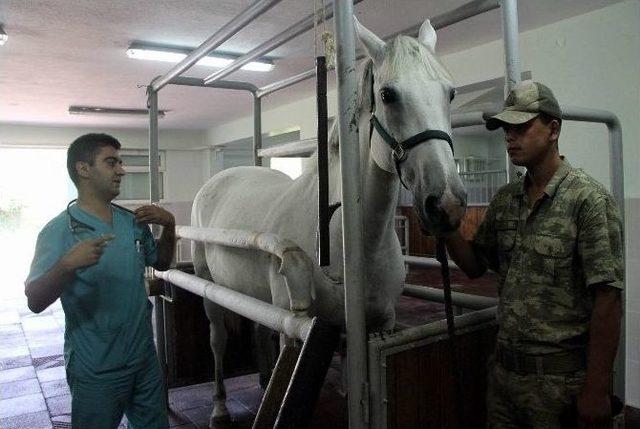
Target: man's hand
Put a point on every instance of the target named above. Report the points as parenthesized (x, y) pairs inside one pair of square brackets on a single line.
[(154, 214), (86, 253), (594, 408)]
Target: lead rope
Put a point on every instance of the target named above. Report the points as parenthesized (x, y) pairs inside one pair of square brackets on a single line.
[(441, 256)]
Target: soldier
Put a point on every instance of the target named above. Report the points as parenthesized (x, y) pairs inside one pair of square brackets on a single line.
[(554, 237)]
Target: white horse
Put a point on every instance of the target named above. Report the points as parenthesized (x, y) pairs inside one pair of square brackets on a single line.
[(409, 91)]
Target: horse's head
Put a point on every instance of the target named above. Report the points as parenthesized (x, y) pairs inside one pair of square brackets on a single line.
[(410, 95)]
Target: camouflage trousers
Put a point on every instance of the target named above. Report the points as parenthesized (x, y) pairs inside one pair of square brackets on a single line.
[(529, 401)]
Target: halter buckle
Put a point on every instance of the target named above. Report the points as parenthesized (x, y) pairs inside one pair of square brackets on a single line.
[(399, 153)]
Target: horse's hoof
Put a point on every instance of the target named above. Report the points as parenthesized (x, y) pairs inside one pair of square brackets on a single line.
[(219, 417)]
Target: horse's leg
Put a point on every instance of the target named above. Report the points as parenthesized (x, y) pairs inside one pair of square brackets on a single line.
[(265, 351), (218, 343), (217, 337)]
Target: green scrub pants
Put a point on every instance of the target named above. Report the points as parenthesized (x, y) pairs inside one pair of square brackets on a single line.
[(138, 395)]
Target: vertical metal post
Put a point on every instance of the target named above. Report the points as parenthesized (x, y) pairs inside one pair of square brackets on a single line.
[(154, 167), (616, 172), (154, 196), (257, 129), (323, 163), (351, 215), (509, 12)]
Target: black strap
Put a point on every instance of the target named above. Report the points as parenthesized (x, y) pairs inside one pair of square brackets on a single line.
[(456, 370), (400, 148)]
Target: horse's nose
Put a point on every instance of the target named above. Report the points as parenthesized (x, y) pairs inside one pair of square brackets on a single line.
[(446, 210)]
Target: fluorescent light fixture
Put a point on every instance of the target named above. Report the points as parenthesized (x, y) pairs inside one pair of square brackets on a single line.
[(94, 110), (168, 54), (3, 36)]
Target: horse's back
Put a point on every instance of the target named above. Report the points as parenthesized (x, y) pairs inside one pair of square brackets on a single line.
[(232, 197), (239, 198)]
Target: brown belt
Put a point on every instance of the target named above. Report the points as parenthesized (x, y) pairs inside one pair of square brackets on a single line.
[(556, 363)]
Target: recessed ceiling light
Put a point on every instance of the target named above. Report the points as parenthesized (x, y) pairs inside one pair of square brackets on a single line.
[(94, 110), (141, 51)]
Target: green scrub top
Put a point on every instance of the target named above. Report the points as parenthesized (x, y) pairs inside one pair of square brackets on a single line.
[(107, 313)]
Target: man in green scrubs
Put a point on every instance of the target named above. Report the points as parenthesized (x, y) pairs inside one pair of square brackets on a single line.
[(93, 256)]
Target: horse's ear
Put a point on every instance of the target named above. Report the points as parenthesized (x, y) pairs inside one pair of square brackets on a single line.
[(427, 35), (372, 43)]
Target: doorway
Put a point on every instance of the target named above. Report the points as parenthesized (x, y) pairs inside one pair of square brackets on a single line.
[(34, 188)]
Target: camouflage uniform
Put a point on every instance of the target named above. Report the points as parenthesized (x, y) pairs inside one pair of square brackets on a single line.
[(546, 256)]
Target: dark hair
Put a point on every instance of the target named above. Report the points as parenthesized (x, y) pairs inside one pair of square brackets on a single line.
[(85, 148), (547, 118)]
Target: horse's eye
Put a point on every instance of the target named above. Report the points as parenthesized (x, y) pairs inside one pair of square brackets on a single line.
[(452, 94), (388, 95)]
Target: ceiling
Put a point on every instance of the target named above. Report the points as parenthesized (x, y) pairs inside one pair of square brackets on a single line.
[(72, 52)]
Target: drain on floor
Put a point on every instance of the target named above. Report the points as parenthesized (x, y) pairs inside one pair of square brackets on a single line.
[(60, 425)]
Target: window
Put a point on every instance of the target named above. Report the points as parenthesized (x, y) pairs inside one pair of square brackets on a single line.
[(135, 185)]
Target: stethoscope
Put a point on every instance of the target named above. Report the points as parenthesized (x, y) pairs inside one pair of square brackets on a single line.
[(75, 223)]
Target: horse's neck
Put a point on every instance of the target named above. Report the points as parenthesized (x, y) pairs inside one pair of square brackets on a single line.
[(380, 196)]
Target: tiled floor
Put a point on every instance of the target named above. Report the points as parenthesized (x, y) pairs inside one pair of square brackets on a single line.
[(34, 393)]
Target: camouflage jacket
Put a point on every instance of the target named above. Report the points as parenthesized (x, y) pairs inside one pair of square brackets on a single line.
[(547, 256)]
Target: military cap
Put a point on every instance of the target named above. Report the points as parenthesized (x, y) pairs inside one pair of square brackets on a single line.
[(525, 101)]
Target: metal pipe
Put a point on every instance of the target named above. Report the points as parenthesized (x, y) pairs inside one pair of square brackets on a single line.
[(466, 11), (264, 241), (420, 261), (154, 154), (614, 128), (297, 149), (257, 129), (154, 194), (217, 39), (464, 300), (437, 328), (616, 172), (222, 84), (461, 13), (278, 319), (295, 267), (268, 89), (353, 249), (509, 12), (290, 33), (324, 217)]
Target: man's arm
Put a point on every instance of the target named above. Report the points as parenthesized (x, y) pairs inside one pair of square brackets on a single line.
[(166, 247), (167, 241), (604, 333), (462, 253), (44, 290)]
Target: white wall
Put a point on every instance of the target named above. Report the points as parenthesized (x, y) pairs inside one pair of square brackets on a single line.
[(592, 60)]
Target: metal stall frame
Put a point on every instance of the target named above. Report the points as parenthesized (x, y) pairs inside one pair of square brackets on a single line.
[(347, 94)]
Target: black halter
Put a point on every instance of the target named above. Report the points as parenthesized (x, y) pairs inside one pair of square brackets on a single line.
[(400, 149)]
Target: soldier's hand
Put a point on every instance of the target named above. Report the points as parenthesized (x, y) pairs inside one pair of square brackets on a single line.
[(86, 253), (154, 214), (594, 408)]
